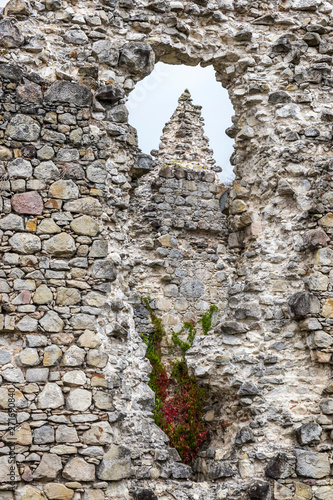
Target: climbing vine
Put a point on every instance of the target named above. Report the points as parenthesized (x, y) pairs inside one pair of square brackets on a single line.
[(179, 401)]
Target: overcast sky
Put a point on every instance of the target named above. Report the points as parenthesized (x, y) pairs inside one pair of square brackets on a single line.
[(154, 99)]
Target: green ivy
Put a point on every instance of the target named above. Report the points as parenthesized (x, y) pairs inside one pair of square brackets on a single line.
[(206, 319), (179, 401)]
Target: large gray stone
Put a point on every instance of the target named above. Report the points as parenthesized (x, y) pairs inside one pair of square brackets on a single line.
[(19, 168), (87, 205), (83, 321), (104, 269), (25, 243), (51, 322), (85, 225), (96, 172), (48, 468), (326, 406), (12, 222), (5, 357), (46, 170), (64, 190), (100, 433), (192, 289), (116, 464), (309, 433), (303, 303), (66, 434), (75, 37), (12, 38), (36, 375), (51, 397), (74, 356), (10, 71), (44, 435), (23, 128), (60, 245), (105, 52), (78, 469), (70, 93), (311, 464), (138, 58)]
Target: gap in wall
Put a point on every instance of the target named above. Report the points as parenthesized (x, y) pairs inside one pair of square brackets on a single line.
[(154, 99)]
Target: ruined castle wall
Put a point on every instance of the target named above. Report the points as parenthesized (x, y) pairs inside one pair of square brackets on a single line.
[(78, 251)]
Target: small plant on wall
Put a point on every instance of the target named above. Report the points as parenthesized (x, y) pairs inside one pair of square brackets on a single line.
[(179, 401)]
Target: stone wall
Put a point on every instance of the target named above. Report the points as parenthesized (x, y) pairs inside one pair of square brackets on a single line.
[(89, 225)]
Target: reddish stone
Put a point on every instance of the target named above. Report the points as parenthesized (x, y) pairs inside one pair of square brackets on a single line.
[(28, 203), (315, 238)]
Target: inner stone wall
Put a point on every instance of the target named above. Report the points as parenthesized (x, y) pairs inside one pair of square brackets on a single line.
[(80, 245)]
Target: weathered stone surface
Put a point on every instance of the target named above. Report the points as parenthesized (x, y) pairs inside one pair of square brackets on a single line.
[(104, 269), (44, 435), (79, 400), (5, 153), (326, 406), (48, 468), (25, 243), (51, 397), (17, 7), (86, 205), (12, 222), (42, 295), (11, 37), (74, 378), (303, 303), (116, 464), (327, 310), (105, 52), (29, 92), (19, 168), (324, 257), (96, 172), (192, 289), (103, 400), (99, 434), (22, 435), (74, 356), (46, 169), (60, 245), (66, 434), (52, 355), (51, 322), (28, 357), (259, 490), (37, 375), (323, 493), (78, 469), (280, 466), (64, 190), (85, 225), (71, 93), (28, 203), (28, 493), (97, 358), (309, 433), (111, 93), (58, 491), (99, 249), (23, 128), (68, 296), (83, 321), (9, 71), (48, 226), (311, 464), (138, 57)]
